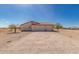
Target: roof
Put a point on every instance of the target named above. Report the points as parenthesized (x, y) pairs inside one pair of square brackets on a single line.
[(33, 22), (37, 23), (43, 24)]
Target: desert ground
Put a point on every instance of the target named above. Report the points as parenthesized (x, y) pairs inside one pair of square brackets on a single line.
[(62, 42)]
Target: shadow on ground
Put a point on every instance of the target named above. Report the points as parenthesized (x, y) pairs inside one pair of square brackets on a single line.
[(38, 31)]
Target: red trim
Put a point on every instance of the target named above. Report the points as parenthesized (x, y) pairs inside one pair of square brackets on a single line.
[(42, 24)]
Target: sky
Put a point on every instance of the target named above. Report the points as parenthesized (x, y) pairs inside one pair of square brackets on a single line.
[(65, 14)]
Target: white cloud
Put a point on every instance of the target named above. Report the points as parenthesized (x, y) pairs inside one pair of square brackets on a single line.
[(4, 23), (24, 5)]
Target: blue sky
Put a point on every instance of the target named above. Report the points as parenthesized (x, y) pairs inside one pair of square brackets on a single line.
[(66, 14)]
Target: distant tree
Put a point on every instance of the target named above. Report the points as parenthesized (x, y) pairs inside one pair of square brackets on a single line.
[(13, 27), (58, 26)]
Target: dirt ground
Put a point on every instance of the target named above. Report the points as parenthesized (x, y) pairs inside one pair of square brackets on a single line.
[(63, 42)]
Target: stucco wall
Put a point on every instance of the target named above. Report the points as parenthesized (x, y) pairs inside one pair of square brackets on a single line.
[(37, 27), (25, 26), (43, 28)]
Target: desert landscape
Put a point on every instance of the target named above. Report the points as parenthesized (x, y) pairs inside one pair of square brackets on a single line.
[(39, 29), (64, 41)]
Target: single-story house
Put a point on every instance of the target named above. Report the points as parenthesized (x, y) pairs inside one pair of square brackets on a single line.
[(36, 26)]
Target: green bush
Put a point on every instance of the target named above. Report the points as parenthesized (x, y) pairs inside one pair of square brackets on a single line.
[(58, 26), (13, 27)]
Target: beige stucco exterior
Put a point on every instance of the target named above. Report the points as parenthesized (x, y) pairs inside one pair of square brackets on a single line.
[(36, 27), (42, 27), (25, 26)]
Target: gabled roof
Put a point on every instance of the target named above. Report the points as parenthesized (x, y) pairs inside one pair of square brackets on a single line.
[(43, 24), (33, 22), (37, 23)]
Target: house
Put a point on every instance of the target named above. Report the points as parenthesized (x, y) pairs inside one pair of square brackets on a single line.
[(35, 26)]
